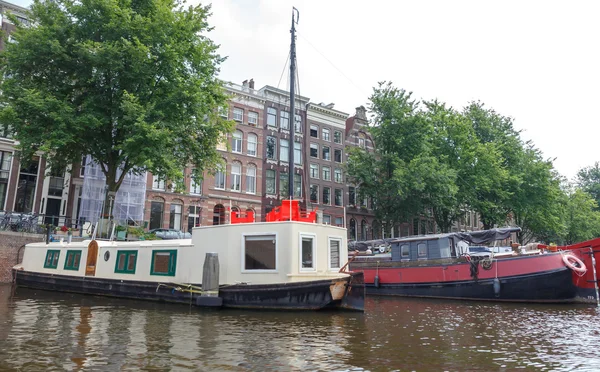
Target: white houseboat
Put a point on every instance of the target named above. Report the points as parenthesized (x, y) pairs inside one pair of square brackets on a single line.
[(287, 263)]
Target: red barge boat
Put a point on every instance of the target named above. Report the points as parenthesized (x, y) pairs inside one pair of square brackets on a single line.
[(445, 266)]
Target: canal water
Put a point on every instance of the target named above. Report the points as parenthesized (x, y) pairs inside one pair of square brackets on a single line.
[(52, 331)]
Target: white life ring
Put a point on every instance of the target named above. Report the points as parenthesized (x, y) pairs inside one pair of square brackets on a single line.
[(571, 260)]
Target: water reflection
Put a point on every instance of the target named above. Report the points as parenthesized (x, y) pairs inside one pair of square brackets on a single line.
[(50, 331)]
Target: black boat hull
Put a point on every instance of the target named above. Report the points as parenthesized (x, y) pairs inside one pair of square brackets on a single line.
[(308, 295), (551, 287)]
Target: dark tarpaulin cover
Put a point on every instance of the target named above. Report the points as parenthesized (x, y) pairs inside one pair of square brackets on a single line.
[(473, 237), (484, 236)]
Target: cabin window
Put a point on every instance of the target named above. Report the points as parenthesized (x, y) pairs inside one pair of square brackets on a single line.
[(52, 259), (445, 248), (422, 250), (307, 252), (260, 252), (405, 252), (164, 262), (72, 260), (126, 261), (334, 253)]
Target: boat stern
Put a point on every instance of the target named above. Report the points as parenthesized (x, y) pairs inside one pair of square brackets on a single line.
[(354, 296)]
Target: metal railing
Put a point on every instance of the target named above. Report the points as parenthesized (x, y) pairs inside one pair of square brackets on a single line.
[(38, 223)]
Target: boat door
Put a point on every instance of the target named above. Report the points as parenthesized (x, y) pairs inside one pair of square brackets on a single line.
[(92, 256)]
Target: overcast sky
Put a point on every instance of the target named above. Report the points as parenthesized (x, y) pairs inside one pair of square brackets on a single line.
[(536, 61)]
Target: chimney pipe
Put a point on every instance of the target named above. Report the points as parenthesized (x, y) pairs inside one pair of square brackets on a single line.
[(251, 84)]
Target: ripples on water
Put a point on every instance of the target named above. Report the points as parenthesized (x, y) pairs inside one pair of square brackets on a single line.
[(51, 331)]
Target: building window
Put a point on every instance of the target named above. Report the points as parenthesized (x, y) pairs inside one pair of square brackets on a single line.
[(224, 112), (238, 114), (158, 183), (284, 182), (327, 219), (82, 167), (72, 260), (156, 214), (298, 123), (337, 155), (222, 144), (195, 185), (314, 131), (298, 153), (363, 230), (361, 141), (307, 252), (284, 154), (297, 186), (337, 175), (339, 221), (351, 195), (164, 262), (251, 179), (326, 195), (338, 197), (326, 153), (218, 214), (5, 163), (220, 178), (236, 141), (284, 120), (325, 134), (175, 216), (314, 150), (337, 137), (270, 184), (314, 193), (271, 117), (126, 261), (193, 216), (260, 252), (334, 253), (252, 144), (51, 259), (27, 185), (326, 174), (271, 147), (236, 176), (314, 171), (352, 229), (253, 118)]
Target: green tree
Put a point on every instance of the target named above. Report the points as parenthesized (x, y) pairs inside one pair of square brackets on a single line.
[(589, 180), (536, 201), (582, 221), (130, 82)]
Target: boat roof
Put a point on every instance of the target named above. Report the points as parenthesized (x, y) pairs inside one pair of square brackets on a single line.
[(475, 237)]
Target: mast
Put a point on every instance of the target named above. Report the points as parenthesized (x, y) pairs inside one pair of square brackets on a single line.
[(292, 141)]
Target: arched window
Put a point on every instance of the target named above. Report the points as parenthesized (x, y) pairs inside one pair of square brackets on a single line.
[(252, 144), (236, 141), (363, 230), (219, 215), (352, 230), (251, 211), (236, 176), (251, 179)]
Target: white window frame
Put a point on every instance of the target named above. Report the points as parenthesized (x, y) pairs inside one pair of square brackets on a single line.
[(339, 240), (243, 258), (250, 179), (284, 154), (252, 144), (195, 186), (297, 153), (313, 237), (314, 166), (238, 114), (157, 182), (223, 172), (252, 118), (316, 128), (284, 117), (337, 172), (323, 173), (341, 140), (313, 146), (224, 112), (326, 134), (237, 139), (236, 176), (271, 111)]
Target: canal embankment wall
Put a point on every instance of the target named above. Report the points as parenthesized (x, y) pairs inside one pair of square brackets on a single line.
[(11, 251)]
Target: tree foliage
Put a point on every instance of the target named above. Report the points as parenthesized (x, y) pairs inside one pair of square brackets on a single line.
[(589, 180), (130, 82)]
